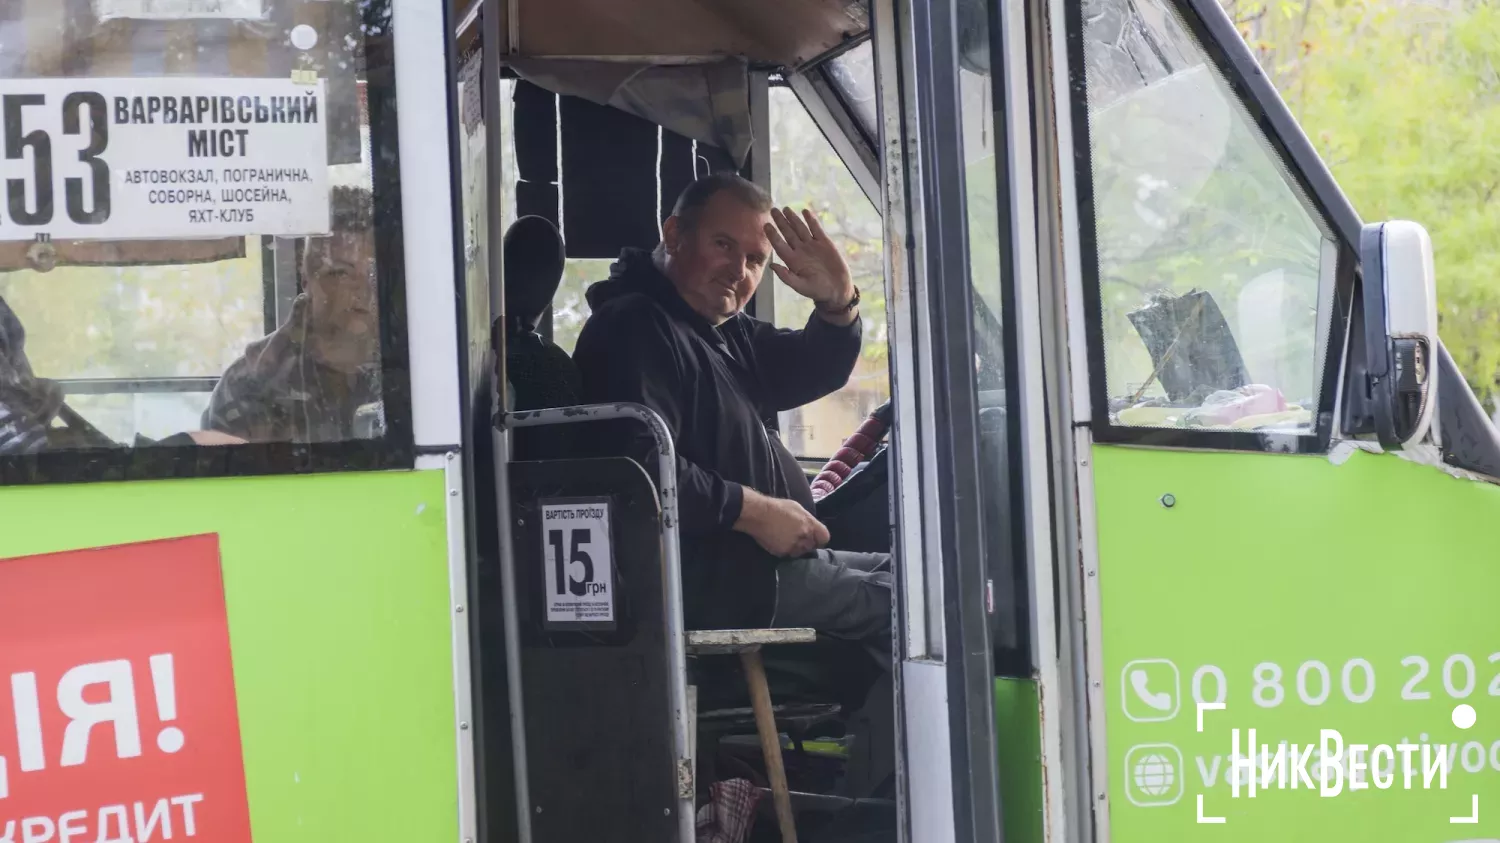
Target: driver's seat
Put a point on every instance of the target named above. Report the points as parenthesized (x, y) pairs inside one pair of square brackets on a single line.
[(540, 373)]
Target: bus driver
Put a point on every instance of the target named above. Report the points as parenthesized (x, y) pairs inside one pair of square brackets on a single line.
[(667, 331)]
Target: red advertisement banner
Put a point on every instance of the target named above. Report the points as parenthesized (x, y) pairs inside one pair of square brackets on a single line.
[(118, 721)]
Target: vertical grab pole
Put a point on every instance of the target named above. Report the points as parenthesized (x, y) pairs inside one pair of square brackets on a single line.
[(676, 632), (510, 606), (494, 128)]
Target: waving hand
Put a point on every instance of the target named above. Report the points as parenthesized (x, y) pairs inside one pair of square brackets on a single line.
[(811, 263)]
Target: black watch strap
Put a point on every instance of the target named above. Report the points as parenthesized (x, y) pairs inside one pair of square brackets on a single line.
[(853, 303)]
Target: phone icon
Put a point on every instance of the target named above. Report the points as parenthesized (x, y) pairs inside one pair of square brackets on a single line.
[(1151, 689), (1139, 680)]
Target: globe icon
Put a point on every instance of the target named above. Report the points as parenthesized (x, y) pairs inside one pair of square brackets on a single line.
[(1154, 774)]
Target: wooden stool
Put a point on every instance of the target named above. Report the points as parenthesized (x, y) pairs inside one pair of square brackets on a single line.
[(747, 643)]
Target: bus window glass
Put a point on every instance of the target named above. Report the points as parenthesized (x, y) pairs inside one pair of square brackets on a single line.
[(176, 9), (570, 308), (978, 119), (189, 241), (853, 75), (988, 275), (473, 160), (807, 172), (1214, 274), (137, 350)]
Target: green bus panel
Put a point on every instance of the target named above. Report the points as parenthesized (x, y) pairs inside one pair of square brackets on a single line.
[(1305, 595), (337, 596), (1018, 736)]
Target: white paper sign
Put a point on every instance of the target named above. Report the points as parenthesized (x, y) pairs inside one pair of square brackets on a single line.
[(579, 562), (179, 9), (162, 158)]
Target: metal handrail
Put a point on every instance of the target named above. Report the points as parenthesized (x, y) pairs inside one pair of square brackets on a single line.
[(672, 562), (137, 386)]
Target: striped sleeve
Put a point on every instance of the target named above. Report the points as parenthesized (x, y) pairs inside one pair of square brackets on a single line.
[(18, 434)]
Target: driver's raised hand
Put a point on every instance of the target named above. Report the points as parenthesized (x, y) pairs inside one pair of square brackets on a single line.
[(814, 267)]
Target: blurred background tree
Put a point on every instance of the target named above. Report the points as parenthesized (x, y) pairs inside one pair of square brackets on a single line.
[(1402, 99)]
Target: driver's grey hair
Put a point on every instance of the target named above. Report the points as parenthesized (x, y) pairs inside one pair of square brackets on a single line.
[(689, 207)]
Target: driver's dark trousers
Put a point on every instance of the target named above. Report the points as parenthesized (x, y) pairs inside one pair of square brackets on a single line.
[(848, 595), (839, 593)]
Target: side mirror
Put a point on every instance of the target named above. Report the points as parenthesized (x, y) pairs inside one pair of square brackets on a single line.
[(1395, 388)]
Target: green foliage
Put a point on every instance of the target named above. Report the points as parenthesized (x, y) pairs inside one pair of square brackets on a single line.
[(1403, 102)]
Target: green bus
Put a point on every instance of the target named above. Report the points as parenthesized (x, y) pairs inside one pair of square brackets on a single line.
[(303, 539)]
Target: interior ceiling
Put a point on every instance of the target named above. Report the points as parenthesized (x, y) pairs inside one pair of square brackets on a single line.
[(785, 33)]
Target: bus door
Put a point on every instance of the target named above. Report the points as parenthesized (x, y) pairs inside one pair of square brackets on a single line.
[(1281, 631), (586, 697), (978, 669), (571, 701)]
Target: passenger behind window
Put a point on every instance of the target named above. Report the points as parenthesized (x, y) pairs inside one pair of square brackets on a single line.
[(317, 377), (30, 406), (27, 403)]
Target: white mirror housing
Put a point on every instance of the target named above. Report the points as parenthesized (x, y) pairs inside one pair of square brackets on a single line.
[(1400, 316)]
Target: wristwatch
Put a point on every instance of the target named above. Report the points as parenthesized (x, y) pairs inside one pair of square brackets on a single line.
[(853, 303)]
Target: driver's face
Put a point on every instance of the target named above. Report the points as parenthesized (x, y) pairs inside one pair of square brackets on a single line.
[(344, 317), (717, 266)]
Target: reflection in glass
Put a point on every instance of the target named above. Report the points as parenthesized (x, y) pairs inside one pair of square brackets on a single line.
[(853, 75), (1212, 270), (985, 272), (187, 320), (123, 416), (316, 378)]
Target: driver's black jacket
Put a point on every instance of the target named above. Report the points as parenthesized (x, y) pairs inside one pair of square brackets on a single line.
[(719, 390)]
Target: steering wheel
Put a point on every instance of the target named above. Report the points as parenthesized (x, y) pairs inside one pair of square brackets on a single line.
[(861, 446)]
